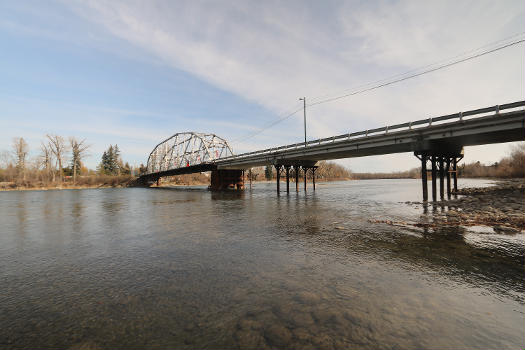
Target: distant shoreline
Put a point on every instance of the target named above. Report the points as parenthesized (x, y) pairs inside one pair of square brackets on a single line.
[(52, 188), (8, 187)]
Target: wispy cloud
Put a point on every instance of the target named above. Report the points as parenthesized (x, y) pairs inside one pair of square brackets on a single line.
[(273, 52)]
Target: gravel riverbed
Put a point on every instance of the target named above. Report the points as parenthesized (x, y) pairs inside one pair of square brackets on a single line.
[(500, 207)]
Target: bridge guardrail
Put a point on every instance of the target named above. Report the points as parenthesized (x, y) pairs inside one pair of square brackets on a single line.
[(410, 125)]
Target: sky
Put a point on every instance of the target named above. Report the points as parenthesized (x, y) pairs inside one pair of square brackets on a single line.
[(133, 73)]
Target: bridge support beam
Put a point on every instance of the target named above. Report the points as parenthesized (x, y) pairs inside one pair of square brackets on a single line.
[(447, 170), (442, 158), (441, 178), (434, 178), (278, 176), (305, 169), (313, 176), (226, 180), (287, 169), (293, 169), (424, 180), (455, 173), (296, 168)]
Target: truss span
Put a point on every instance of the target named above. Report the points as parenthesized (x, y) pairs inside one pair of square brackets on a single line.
[(187, 149)]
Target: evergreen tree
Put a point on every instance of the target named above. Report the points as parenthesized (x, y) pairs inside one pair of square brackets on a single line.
[(112, 163), (268, 172), (102, 166), (116, 161), (110, 168), (125, 169)]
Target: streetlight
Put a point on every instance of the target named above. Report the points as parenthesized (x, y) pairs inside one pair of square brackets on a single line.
[(304, 112)]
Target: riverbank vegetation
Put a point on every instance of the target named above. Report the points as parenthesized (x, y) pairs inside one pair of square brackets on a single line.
[(59, 164), (512, 166)]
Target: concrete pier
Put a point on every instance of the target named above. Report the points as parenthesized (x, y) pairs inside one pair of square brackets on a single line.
[(227, 179)]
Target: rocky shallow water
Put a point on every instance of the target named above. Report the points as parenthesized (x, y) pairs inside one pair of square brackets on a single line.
[(494, 209)]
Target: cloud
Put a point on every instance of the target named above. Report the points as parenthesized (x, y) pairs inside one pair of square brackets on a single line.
[(273, 52)]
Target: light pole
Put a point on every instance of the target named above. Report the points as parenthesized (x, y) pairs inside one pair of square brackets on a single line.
[(304, 113)]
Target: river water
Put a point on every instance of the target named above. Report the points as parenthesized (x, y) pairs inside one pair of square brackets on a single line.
[(187, 268)]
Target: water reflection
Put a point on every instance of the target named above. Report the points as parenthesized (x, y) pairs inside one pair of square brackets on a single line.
[(194, 269), (21, 214)]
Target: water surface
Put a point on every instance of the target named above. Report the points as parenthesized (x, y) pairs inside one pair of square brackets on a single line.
[(187, 268)]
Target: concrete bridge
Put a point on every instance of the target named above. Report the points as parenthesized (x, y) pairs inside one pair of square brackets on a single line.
[(439, 140)]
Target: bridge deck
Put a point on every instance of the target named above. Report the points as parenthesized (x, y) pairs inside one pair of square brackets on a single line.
[(503, 127), (443, 134)]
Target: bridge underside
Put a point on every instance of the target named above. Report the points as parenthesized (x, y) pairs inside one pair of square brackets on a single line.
[(192, 169)]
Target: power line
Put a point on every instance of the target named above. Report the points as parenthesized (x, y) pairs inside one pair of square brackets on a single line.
[(425, 66), (417, 74), (402, 77), (275, 122)]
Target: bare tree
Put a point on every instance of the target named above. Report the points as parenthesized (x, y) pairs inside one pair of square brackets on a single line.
[(57, 146), (5, 159), (78, 151), (46, 158), (20, 151)]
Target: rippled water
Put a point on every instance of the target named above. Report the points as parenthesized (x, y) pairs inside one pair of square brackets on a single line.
[(187, 268)]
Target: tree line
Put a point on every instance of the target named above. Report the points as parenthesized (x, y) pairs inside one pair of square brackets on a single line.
[(59, 159), (512, 166)]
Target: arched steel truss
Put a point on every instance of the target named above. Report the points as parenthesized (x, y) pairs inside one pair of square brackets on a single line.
[(187, 149)]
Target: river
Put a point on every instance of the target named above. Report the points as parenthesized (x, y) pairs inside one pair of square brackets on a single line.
[(188, 268)]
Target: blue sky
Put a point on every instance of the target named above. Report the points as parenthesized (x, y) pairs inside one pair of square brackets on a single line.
[(135, 72)]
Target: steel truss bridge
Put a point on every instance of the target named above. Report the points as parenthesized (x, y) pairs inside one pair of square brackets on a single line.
[(187, 150), (439, 140)]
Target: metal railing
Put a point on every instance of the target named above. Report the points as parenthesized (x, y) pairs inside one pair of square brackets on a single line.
[(378, 131)]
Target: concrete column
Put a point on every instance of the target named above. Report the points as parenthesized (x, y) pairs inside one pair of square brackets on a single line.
[(455, 168), (287, 167), (447, 169), (278, 171), (305, 173), (313, 177), (434, 178), (424, 176), (441, 178)]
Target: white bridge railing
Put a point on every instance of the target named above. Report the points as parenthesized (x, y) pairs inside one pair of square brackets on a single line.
[(382, 131)]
